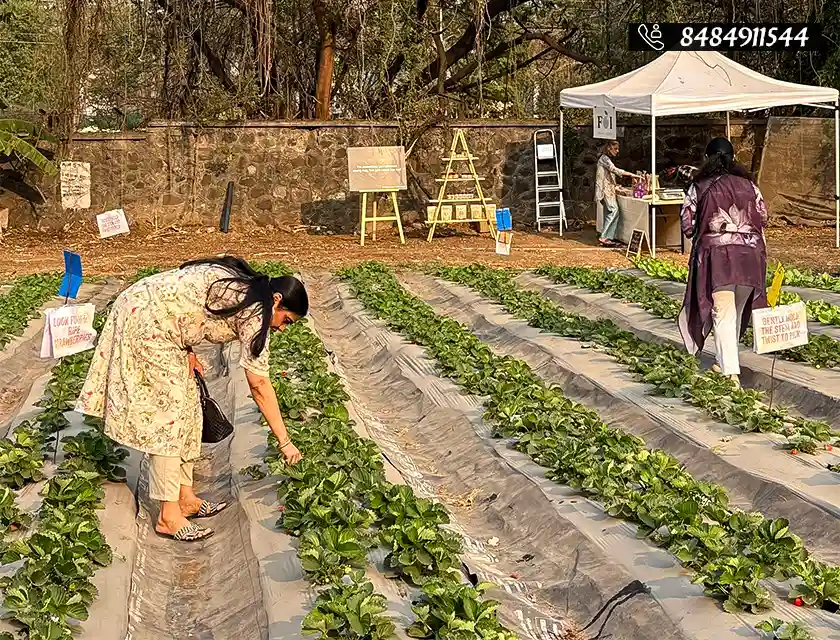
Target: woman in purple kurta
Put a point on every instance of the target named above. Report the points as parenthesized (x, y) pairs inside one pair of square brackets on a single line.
[(725, 215)]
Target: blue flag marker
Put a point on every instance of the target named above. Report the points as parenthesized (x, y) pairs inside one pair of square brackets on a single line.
[(72, 275), (503, 221)]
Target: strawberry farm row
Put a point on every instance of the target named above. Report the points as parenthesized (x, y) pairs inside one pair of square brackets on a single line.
[(729, 551), (794, 277), (338, 502), (671, 371), (817, 310), (52, 590)]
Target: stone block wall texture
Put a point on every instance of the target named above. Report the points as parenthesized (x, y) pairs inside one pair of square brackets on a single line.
[(295, 173)]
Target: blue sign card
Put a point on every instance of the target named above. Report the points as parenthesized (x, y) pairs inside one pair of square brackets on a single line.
[(72, 275), (503, 221)]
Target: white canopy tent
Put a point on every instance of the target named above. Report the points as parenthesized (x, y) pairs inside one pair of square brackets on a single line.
[(686, 82)]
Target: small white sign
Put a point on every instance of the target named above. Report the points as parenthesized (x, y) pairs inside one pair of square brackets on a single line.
[(68, 330), (603, 123), (112, 223), (75, 185), (503, 241), (545, 152), (777, 328)]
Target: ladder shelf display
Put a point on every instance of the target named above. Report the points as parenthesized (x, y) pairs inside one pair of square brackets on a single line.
[(460, 207)]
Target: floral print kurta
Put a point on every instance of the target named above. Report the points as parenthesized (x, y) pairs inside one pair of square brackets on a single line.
[(139, 381)]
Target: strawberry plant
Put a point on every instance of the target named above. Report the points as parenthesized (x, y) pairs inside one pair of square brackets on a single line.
[(328, 554), (449, 610), (420, 551), (22, 302), (730, 552), (397, 505), (92, 451), (349, 609), (11, 517), (775, 629)]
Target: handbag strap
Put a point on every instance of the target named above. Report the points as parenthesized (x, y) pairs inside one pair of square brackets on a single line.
[(202, 386)]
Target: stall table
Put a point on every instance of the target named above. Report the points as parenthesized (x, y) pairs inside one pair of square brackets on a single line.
[(638, 213)]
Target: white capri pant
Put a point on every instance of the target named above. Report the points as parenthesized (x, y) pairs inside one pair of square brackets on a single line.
[(727, 311), (166, 475)]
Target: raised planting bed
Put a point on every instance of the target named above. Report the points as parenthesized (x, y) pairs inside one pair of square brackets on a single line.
[(730, 552), (339, 504)]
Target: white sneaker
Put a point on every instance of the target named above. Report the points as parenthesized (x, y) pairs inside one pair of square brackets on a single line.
[(716, 368)]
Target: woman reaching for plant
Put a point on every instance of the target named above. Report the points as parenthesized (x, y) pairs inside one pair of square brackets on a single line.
[(141, 380), (725, 215)]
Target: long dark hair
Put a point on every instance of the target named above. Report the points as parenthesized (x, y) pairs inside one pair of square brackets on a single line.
[(720, 161), (254, 291)]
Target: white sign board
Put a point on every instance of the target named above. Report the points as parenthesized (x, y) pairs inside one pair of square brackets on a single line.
[(75, 185), (112, 223), (545, 152), (503, 241), (603, 123), (376, 168), (777, 328), (68, 330)]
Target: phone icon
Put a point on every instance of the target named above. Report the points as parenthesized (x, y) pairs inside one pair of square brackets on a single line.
[(654, 38)]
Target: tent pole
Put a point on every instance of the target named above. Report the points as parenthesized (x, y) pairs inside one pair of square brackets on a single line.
[(560, 178), (728, 128), (652, 246), (836, 174)]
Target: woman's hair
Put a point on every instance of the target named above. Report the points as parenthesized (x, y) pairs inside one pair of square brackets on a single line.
[(720, 160), (252, 290), (607, 144)]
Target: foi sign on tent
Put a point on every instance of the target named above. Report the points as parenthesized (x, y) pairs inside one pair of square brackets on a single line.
[(603, 123)]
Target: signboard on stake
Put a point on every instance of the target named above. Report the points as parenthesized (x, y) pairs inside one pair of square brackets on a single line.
[(376, 168), (603, 123), (75, 185), (112, 223), (777, 328), (68, 330)]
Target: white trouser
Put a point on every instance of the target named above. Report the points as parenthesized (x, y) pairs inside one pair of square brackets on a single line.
[(727, 311), (166, 475)]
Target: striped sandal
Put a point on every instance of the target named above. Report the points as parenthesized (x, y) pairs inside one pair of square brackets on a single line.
[(189, 533), (208, 509)]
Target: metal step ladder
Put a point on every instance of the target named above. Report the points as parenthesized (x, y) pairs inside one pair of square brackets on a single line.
[(548, 189)]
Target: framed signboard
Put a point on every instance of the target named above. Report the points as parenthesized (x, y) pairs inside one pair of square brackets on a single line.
[(376, 168)]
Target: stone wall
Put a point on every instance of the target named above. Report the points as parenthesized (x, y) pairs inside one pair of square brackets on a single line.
[(295, 173)]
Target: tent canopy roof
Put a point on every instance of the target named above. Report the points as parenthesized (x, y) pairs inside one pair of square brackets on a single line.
[(683, 82)]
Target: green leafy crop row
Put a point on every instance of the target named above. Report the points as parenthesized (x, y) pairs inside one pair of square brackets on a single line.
[(729, 551), (338, 502), (52, 591), (672, 372), (817, 310), (21, 303), (794, 277), (822, 351)]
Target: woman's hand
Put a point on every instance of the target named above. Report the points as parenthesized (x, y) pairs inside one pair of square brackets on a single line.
[(194, 364), (291, 454)]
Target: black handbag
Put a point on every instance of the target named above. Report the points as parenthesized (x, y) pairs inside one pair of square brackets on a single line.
[(215, 425)]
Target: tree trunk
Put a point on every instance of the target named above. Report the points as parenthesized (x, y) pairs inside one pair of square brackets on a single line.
[(324, 81), (326, 61)]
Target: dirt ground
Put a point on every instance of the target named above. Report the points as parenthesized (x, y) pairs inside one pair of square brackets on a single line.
[(30, 253)]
